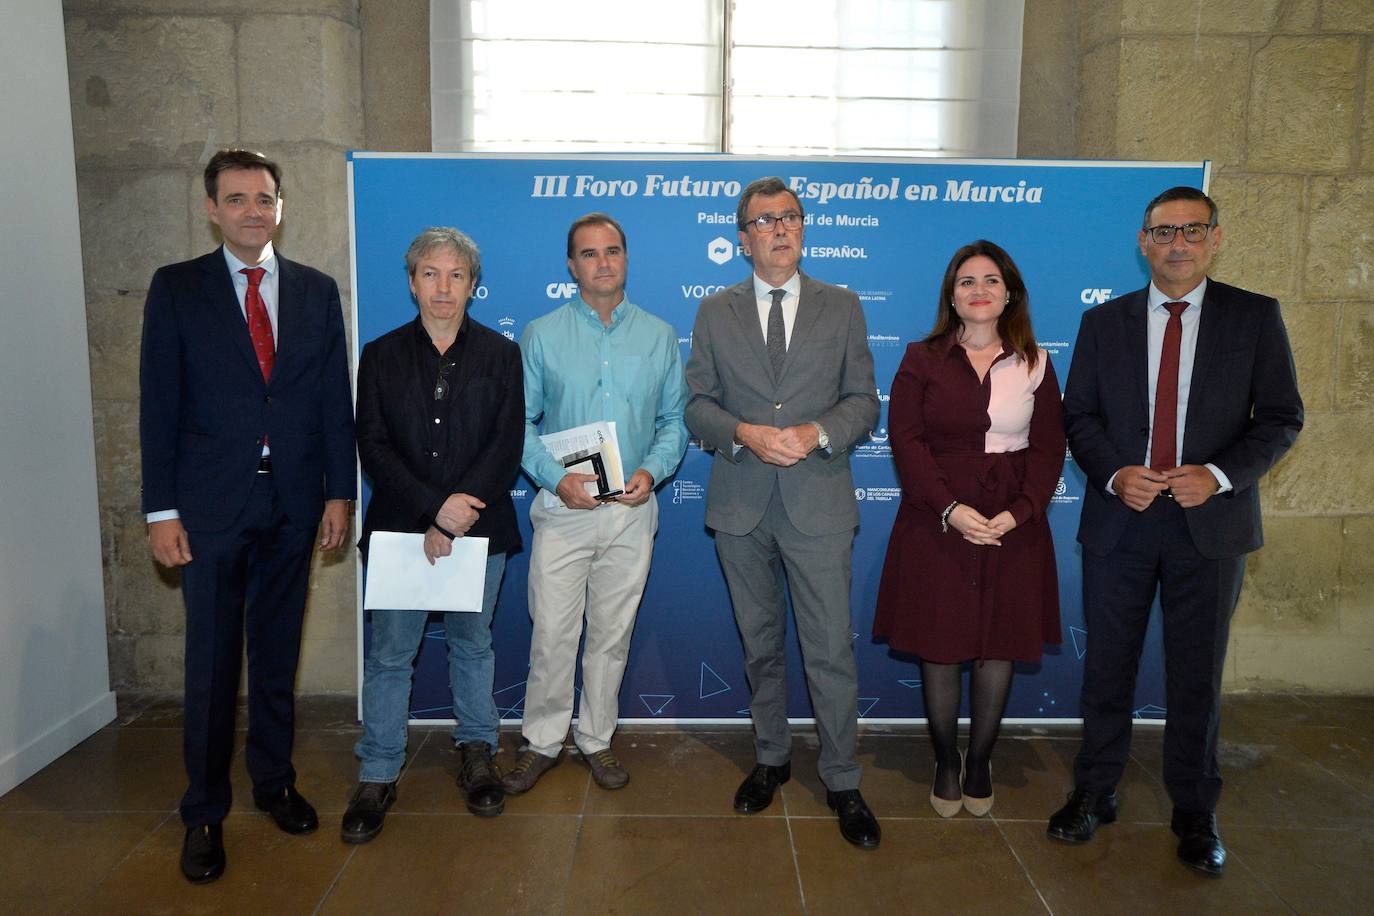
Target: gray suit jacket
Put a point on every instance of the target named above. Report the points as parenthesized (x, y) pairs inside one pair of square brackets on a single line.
[(827, 378)]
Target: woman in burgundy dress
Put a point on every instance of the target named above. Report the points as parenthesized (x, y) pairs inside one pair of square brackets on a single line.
[(978, 439)]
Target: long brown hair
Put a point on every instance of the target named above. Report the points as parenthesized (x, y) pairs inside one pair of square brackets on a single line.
[(1013, 325)]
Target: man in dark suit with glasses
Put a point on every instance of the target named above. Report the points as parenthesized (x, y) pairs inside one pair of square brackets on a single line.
[(441, 409), (1180, 397)]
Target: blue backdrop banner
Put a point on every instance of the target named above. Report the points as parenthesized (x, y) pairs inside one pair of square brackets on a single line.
[(883, 228)]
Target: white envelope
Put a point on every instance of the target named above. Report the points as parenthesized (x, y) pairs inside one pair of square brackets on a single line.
[(399, 578)]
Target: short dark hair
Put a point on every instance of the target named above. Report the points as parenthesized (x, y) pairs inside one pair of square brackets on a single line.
[(767, 187), (1013, 325), (596, 219), (1182, 192), (238, 159)]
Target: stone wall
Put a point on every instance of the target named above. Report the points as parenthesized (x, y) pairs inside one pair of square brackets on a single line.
[(1276, 92), (156, 87), (1279, 95)]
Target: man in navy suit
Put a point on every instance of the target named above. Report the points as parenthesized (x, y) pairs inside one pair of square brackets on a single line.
[(1179, 398), (246, 425)]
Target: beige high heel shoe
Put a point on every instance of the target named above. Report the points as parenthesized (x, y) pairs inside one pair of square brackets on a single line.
[(944, 806), (978, 807)]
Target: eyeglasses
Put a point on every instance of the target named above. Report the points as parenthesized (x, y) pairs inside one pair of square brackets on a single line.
[(441, 385), (1192, 232), (790, 220)]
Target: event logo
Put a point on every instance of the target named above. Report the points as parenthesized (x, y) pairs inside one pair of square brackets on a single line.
[(520, 493), (565, 290), (507, 326), (846, 252), (684, 490), (1061, 493), (694, 292), (720, 249), (1093, 296), (883, 340), (877, 494), (882, 398), (876, 446)]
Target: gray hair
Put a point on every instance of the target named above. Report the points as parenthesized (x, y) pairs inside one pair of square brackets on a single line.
[(444, 237)]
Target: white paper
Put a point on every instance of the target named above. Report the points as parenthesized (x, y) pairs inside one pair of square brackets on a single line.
[(582, 440), (399, 578)]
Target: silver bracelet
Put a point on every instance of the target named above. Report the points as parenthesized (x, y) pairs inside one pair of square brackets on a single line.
[(944, 516)]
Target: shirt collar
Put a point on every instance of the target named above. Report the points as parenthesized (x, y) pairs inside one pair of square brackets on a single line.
[(792, 286), (617, 314), (269, 263), (422, 337), (1194, 298)]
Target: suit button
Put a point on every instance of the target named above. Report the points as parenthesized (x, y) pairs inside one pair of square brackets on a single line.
[(778, 406), (434, 454)]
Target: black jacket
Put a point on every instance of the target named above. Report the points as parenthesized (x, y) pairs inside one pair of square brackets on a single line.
[(484, 413)]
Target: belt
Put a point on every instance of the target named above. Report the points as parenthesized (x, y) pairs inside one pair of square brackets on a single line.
[(265, 464)]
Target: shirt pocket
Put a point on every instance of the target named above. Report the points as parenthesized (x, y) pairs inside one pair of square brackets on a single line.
[(626, 374)]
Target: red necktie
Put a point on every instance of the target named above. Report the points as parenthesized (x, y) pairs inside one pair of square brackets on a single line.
[(1164, 438), (259, 325)]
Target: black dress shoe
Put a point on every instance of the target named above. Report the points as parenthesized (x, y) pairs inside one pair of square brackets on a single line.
[(1199, 844), (202, 854), (756, 792), (857, 823), (1078, 820), (479, 782), (366, 811), (291, 812)]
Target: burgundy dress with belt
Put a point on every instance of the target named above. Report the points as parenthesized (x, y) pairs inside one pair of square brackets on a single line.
[(995, 444)]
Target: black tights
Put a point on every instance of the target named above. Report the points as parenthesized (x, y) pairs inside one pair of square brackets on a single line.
[(989, 684)]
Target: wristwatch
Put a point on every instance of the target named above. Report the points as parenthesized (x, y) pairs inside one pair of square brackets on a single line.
[(822, 440)]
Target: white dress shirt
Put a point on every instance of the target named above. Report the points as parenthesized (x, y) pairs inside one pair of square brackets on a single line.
[(1156, 319)]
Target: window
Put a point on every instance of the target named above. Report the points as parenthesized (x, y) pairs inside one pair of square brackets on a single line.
[(808, 77)]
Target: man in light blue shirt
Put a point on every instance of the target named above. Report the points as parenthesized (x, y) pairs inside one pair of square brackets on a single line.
[(596, 358)]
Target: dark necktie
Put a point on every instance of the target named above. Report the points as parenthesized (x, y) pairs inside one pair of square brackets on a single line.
[(777, 333), (1164, 438), (259, 325)]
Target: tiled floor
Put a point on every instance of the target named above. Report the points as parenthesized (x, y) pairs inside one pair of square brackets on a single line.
[(97, 832)]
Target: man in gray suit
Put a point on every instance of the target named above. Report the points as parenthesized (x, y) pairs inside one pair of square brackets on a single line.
[(781, 387)]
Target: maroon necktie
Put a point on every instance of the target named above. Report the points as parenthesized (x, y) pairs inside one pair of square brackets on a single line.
[(260, 326), (1164, 438)]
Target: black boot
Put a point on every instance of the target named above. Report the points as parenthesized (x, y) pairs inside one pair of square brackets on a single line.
[(479, 781)]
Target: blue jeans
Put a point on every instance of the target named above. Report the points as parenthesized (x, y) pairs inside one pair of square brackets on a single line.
[(390, 669)]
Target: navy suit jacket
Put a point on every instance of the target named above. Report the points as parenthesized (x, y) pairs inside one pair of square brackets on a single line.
[(1244, 412), (205, 408)]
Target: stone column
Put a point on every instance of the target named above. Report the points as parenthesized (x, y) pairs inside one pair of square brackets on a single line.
[(157, 86), (1277, 94)]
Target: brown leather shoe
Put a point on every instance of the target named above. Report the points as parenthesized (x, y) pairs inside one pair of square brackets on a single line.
[(529, 766), (607, 770)]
